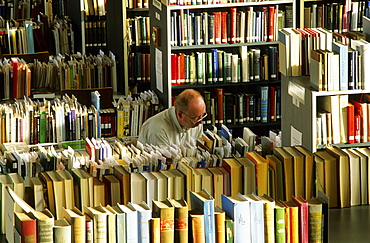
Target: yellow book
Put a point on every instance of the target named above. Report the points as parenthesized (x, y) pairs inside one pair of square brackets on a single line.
[(124, 177), (218, 185), (261, 172), (309, 171), (269, 218), (181, 220), (100, 223), (197, 227), (68, 188), (59, 193), (155, 230), (287, 161), (220, 225), (78, 223), (235, 170), (166, 212), (292, 221), (298, 170)]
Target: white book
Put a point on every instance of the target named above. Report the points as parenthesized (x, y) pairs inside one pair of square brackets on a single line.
[(131, 223), (144, 216), (343, 102), (100, 224), (257, 217), (238, 209), (62, 231)]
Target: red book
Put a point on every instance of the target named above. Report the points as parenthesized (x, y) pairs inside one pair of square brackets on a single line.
[(232, 25), (302, 218), (271, 30), (220, 105), (15, 78), (224, 27), (147, 56), (181, 68), (272, 103), (26, 227), (351, 123), (357, 128), (143, 68), (174, 69), (217, 27)]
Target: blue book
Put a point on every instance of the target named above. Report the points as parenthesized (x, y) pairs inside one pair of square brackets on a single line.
[(205, 203), (215, 66), (342, 50), (264, 104), (238, 209)]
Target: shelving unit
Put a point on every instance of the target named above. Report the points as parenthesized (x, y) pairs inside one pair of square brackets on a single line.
[(301, 104), (161, 66)]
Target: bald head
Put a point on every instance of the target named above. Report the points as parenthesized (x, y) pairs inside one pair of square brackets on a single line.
[(188, 98)]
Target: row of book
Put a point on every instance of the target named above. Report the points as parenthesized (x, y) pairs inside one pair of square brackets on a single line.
[(18, 77), (138, 31), (31, 9), (343, 119), (27, 36), (333, 63), (67, 120), (139, 67), (96, 35), (336, 17), (204, 2), (138, 4), (94, 8), (219, 66), (262, 105), (241, 217), (229, 27)]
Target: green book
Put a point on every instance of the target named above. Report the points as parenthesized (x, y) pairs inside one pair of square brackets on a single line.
[(229, 230), (280, 233), (42, 138), (209, 68)]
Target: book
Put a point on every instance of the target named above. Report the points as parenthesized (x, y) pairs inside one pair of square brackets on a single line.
[(257, 221), (279, 213), (292, 220), (112, 186), (261, 166), (26, 226), (45, 224), (132, 223), (269, 218), (299, 171), (166, 212), (235, 170), (355, 176), (124, 177), (277, 190), (155, 231), (144, 216), (181, 220), (203, 202), (343, 175), (315, 219), (309, 171), (238, 209), (249, 175), (220, 225), (303, 218), (287, 161), (196, 220), (120, 222), (218, 184), (62, 231), (78, 223), (100, 223)]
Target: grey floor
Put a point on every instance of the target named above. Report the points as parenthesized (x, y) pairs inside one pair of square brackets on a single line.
[(349, 225)]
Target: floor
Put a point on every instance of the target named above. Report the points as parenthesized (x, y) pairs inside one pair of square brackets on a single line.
[(347, 225)]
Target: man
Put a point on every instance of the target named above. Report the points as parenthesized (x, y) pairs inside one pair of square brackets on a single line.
[(176, 124)]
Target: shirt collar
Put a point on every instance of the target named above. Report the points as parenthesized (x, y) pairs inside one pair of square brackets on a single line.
[(174, 118)]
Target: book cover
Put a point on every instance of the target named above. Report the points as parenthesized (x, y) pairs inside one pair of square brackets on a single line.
[(204, 203), (181, 233), (26, 226), (166, 212)]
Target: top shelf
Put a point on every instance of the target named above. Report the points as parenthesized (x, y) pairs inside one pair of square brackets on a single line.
[(227, 5)]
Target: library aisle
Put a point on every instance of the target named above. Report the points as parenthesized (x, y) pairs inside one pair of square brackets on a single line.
[(349, 224)]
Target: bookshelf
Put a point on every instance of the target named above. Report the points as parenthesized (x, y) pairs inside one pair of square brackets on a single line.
[(109, 39), (302, 104), (165, 51), (137, 50)]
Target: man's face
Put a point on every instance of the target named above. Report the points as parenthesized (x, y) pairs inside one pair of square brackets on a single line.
[(194, 116)]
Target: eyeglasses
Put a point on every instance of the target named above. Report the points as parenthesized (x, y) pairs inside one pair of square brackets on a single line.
[(200, 118)]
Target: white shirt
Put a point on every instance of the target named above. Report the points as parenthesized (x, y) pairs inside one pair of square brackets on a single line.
[(164, 129)]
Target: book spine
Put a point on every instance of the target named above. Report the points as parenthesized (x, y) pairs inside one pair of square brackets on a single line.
[(264, 103)]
